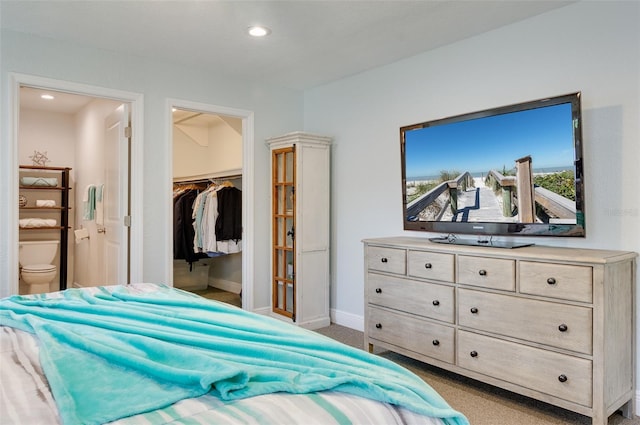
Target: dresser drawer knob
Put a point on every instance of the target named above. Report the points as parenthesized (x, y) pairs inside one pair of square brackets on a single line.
[(482, 272), (378, 325), (427, 265), (474, 310), (435, 342), (474, 353), (562, 378), (436, 302), (378, 290), (384, 259), (563, 328), (551, 281)]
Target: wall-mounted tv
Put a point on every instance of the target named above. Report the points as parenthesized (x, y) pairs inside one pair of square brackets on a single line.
[(510, 170)]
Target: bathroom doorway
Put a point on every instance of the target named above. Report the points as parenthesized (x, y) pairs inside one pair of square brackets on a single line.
[(70, 131), (208, 189)]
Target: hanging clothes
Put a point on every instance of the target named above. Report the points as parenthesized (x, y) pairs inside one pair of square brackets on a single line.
[(217, 220), (183, 230), (229, 221)]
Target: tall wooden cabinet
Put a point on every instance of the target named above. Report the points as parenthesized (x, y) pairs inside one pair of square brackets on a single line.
[(555, 324), (300, 214)]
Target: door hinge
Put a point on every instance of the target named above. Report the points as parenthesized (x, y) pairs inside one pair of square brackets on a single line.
[(127, 132), (127, 221)]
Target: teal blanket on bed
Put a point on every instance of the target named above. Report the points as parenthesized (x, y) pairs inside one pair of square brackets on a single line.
[(115, 354)]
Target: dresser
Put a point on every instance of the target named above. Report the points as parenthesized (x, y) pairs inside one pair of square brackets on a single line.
[(554, 324)]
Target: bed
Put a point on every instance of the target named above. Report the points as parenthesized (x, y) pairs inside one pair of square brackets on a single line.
[(151, 354)]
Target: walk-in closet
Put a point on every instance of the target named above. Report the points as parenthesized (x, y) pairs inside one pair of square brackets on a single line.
[(207, 205)]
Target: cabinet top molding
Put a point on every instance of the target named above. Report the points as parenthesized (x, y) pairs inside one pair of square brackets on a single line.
[(299, 136), (576, 255)]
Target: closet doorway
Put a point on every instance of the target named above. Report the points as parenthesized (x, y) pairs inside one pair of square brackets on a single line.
[(207, 200), (72, 130)]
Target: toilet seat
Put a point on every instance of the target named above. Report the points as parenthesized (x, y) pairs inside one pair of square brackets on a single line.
[(39, 268)]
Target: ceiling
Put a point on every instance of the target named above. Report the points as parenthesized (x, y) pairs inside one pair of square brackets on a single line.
[(312, 42)]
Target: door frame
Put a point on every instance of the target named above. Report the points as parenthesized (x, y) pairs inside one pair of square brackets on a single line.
[(248, 213), (16, 80)]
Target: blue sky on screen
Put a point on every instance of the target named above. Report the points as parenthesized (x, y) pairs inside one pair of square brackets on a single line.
[(493, 142)]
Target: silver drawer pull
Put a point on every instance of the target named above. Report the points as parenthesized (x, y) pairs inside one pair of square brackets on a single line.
[(562, 378), (378, 290), (551, 281), (563, 328)]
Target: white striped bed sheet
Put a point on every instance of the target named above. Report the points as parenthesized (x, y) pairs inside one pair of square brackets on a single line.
[(25, 398)]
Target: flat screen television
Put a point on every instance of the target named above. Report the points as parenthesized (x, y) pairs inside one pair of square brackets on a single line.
[(508, 171)]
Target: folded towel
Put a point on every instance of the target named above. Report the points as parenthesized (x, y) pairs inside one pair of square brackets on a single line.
[(39, 181), (89, 202), (28, 223), (45, 203)]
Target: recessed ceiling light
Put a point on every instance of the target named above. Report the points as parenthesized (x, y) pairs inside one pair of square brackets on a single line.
[(47, 97), (258, 31)]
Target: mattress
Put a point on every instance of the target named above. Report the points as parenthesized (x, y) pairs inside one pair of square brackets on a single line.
[(26, 396)]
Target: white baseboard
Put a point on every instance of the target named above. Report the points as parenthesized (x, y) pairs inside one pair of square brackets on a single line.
[(637, 407), (226, 285), (265, 311), (348, 320)]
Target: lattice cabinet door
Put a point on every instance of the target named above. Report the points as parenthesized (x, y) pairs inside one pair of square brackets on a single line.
[(300, 234), (283, 224)]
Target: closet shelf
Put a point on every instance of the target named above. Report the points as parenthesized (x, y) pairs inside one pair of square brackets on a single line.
[(45, 208), (43, 228), (38, 167), (44, 188)]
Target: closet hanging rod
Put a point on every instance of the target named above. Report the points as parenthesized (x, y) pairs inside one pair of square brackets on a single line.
[(208, 179)]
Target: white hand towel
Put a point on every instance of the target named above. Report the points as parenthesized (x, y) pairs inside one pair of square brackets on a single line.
[(99, 205)]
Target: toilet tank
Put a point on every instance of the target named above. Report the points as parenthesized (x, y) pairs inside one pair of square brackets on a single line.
[(37, 252)]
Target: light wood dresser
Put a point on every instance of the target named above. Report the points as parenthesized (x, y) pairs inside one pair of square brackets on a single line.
[(554, 324)]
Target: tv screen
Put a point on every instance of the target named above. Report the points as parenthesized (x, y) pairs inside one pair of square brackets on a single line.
[(511, 170)]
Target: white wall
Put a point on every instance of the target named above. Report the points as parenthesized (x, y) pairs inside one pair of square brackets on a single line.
[(218, 148), (276, 111), (591, 47)]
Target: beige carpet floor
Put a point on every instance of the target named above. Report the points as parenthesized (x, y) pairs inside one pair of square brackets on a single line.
[(220, 295), (482, 404)]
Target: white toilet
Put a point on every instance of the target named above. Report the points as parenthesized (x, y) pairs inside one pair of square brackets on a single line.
[(36, 270)]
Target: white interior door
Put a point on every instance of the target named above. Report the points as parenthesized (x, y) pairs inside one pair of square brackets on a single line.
[(116, 197)]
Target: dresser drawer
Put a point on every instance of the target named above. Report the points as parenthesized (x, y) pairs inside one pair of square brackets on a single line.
[(411, 333), (495, 273), (559, 375), (431, 265), (544, 322), (390, 260), (411, 296), (557, 281)]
